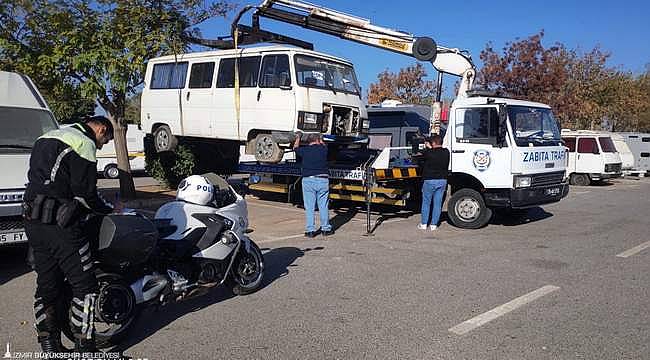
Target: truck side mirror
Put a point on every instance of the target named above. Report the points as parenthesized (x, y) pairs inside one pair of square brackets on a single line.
[(503, 126)]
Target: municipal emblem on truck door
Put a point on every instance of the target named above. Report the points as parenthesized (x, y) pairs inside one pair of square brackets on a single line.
[(481, 160)]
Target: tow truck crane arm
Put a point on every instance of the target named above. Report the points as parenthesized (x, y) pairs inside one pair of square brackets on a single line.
[(309, 16), (445, 60)]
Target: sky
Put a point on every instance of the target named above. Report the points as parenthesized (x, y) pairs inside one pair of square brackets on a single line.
[(620, 27)]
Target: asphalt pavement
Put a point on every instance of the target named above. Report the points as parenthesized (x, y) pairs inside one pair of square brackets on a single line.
[(568, 281)]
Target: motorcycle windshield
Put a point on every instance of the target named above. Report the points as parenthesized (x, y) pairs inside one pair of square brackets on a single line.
[(217, 181)]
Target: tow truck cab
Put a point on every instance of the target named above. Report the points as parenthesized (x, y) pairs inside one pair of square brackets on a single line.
[(505, 154)]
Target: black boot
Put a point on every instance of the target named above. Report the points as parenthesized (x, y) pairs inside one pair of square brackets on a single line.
[(47, 329), (85, 345), (51, 342)]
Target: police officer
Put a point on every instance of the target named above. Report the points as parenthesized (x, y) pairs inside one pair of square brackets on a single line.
[(62, 190)]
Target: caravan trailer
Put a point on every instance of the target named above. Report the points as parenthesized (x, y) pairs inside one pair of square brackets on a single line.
[(627, 157), (592, 157), (639, 144)]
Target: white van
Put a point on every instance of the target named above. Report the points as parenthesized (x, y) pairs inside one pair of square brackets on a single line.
[(24, 116), (283, 89), (592, 157), (107, 158)]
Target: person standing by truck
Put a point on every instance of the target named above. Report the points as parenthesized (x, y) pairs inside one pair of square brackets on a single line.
[(315, 182), (62, 190), (435, 169)]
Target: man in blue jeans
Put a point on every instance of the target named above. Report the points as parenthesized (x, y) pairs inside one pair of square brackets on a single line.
[(315, 182), (435, 168)]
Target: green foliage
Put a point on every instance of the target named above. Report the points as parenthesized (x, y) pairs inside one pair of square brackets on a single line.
[(82, 50), (190, 157), (98, 48), (408, 86), (170, 167), (132, 110), (67, 104)]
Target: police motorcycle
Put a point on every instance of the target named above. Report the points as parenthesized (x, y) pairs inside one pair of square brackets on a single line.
[(193, 244)]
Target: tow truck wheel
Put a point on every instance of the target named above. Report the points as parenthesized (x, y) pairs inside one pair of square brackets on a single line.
[(267, 150), (580, 179), (467, 210)]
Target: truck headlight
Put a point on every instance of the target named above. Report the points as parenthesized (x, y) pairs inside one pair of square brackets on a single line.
[(311, 118), (310, 121), (366, 123), (522, 181)]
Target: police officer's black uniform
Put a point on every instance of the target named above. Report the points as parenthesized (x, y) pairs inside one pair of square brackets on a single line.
[(62, 190)]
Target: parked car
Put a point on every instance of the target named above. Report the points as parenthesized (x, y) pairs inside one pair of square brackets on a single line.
[(592, 157), (107, 158), (282, 90), (24, 116)]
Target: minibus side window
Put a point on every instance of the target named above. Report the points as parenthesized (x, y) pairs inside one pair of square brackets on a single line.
[(248, 72), (169, 76), (275, 71), (201, 75)]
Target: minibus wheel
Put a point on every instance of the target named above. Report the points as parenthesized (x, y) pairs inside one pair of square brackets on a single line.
[(267, 150), (580, 179), (163, 139)]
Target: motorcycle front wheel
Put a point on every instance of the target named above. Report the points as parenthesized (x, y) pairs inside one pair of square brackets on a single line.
[(115, 311), (248, 271)]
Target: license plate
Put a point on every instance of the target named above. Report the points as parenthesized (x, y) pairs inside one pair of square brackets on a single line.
[(552, 191), (13, 237)]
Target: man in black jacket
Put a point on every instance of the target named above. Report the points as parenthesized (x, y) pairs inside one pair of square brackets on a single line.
[(315, 183), (435, 169), (62, 190)]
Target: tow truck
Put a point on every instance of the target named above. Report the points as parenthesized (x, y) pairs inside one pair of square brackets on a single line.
[(505, 153)]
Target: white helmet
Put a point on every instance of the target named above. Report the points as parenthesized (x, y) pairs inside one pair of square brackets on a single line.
[(195, 189)]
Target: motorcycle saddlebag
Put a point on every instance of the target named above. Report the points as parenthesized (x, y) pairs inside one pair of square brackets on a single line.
[(126, 240)]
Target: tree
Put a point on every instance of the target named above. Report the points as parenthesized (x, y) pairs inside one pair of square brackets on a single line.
[(132, 110), (584, 92), (642, 120), (63, 96), (98, 48), (66, 101), (407, 86), (529, 71)]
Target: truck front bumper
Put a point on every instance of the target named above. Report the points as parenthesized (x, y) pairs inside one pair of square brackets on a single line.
[(522, 198)]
